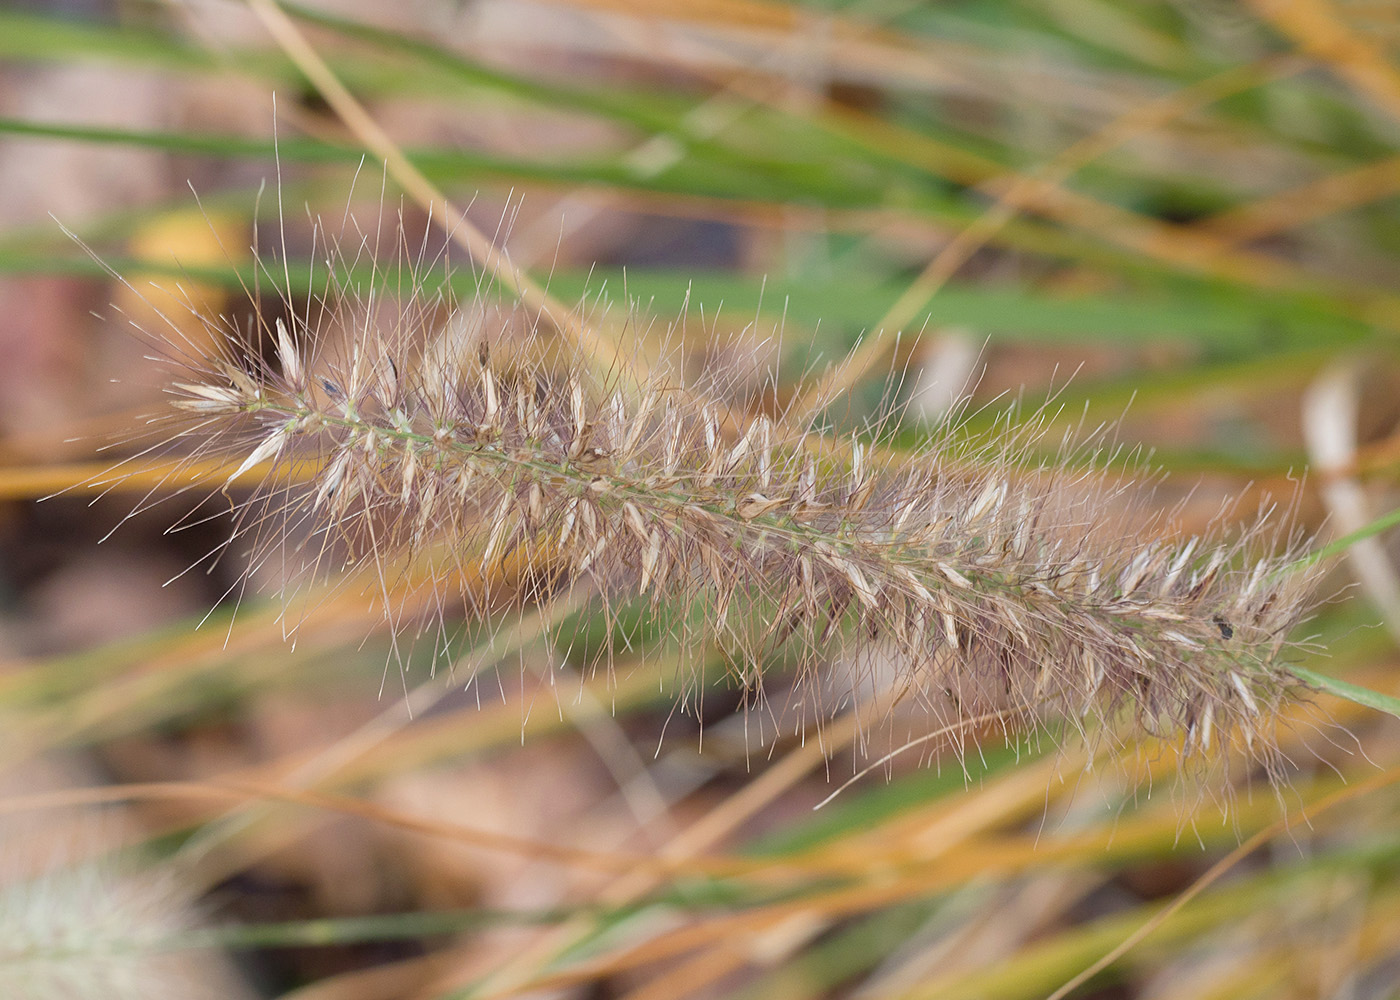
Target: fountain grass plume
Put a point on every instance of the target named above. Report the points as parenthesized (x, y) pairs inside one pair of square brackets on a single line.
[(79, 925), (400, 433)]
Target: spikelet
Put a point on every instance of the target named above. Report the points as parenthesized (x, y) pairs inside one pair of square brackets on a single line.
[(423, 434)]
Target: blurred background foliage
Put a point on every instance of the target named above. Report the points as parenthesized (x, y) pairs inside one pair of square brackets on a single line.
[(1189, 206)]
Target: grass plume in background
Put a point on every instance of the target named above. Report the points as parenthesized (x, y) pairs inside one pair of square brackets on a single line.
[(81, 919)]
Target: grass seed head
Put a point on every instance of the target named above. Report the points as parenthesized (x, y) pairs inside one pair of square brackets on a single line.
[(74, 926), (1005, 574)]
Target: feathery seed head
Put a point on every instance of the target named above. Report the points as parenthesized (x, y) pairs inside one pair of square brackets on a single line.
[(79, 929), (1001, 580)]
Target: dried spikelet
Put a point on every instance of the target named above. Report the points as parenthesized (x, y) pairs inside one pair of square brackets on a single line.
[(1002, 582)]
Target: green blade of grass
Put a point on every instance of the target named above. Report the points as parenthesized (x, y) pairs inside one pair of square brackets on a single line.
[(1382, 523), (1351, 692)]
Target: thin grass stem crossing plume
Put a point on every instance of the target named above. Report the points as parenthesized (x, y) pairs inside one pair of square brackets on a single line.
[(458, 464)]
